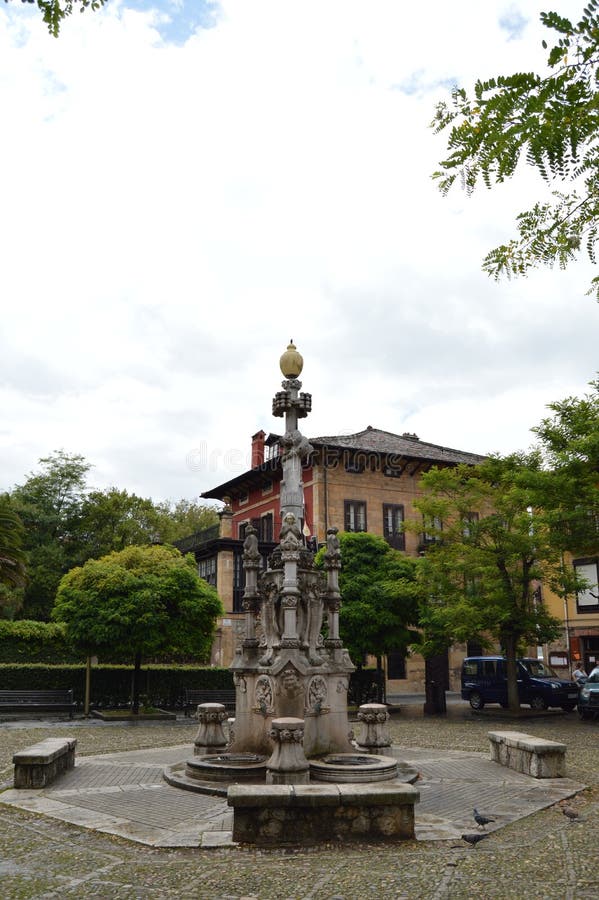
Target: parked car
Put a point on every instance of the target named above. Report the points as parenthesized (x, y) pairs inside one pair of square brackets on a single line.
[(588, 696), (484, 680)]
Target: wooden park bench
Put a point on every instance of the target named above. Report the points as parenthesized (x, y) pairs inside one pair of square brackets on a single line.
[(193, 698), (37, 701), (39, 765)]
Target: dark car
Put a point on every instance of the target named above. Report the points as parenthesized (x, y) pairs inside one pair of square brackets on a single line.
[(484, 680), (588, 696)]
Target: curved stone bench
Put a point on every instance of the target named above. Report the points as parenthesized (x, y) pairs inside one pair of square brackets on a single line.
[(530, 755), (284, 814)]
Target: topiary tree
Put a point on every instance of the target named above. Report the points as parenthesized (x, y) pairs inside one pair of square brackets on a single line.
[(139, 602)]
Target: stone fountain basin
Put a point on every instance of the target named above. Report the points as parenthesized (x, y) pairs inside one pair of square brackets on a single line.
[(354, 768)]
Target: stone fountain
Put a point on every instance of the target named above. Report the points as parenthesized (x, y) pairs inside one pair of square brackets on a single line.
[(291, 723)]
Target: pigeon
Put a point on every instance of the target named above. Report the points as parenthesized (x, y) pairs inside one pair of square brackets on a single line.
[(473, 839), (571, 813), (481, 820)]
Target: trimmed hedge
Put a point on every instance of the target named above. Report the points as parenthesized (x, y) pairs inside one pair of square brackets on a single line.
[(27, 641), (161, 685), (110, 686)]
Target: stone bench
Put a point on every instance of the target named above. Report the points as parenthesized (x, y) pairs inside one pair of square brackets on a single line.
[(285, 814), (39, 765), (530, 755)]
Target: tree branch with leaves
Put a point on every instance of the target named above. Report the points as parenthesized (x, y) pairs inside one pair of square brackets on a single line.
[(551, 122), (54, 12)]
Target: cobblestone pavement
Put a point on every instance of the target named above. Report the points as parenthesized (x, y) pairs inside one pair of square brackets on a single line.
[(543, 854)]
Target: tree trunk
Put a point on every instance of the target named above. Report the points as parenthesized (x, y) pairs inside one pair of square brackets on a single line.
[(510, 644), (136, 684), (380, 680), (436, 677)]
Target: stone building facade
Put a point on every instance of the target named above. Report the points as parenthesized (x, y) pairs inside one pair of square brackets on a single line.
[(579, 641), (366, 481)]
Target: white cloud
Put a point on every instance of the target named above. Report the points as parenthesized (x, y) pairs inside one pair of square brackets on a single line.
[(172, 213)]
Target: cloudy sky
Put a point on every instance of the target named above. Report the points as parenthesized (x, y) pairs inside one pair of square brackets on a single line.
[(188, 184)]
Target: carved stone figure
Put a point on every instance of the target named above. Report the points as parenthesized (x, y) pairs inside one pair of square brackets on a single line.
[(333, 550), (290, 683), (263, 694), (291, 536), (250, 545), (295, 445), (270, 620)]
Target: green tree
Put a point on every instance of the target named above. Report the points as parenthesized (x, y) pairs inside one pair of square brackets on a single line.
[(139, 602), (54, 12), (113, 519), (379, 596), (493, 544), (569, 440), (12, 560), (549, 120), (49, 504), (183, 518)]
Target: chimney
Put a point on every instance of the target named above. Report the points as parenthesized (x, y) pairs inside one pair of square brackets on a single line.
[(258, 448)]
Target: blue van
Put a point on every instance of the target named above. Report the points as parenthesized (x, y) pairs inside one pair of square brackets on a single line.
[(484, 680)]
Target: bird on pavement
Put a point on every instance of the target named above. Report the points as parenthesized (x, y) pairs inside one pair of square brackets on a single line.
[(473, 839), (480, 819), (571, 813)]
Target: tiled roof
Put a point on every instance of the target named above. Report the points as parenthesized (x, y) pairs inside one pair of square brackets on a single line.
[(372, 440), (407, 445)]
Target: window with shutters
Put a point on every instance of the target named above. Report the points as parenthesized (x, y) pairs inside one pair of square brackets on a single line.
[(207, 570), (266, 527), (393, 516), (355, 515)]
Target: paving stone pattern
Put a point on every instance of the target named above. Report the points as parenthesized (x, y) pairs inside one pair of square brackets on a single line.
[(542, 855)]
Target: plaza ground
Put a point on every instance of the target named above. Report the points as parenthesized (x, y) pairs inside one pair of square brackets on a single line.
[(543, 855)]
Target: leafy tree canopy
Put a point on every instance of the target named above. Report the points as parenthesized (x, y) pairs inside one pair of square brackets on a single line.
[(493, 544), (569, 440), (549, 120), (379, 596), (12, 556), (141, 601), (66, 523), (55, 11)]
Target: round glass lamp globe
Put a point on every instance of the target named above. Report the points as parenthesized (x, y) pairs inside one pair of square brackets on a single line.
[(291, 361)]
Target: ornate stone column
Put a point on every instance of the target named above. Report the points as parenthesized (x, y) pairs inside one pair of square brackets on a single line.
[(375, 733), (251, 600), (332, 565), (210, 739), (288, 763)]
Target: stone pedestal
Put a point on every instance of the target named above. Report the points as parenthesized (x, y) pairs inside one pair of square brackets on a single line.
[(288, 763), (280, 815), (375, 732), (210, 738)]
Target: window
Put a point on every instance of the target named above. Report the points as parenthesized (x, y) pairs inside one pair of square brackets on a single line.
[(430, 528), (488, 668), (207, 570), (471, 667), (243, 498), (354, 465), (396, 664), (469, 527), (393, 516), (238, 582), (266, 527), (587, 599), (241, 530), (355, 515), (267, 487)]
